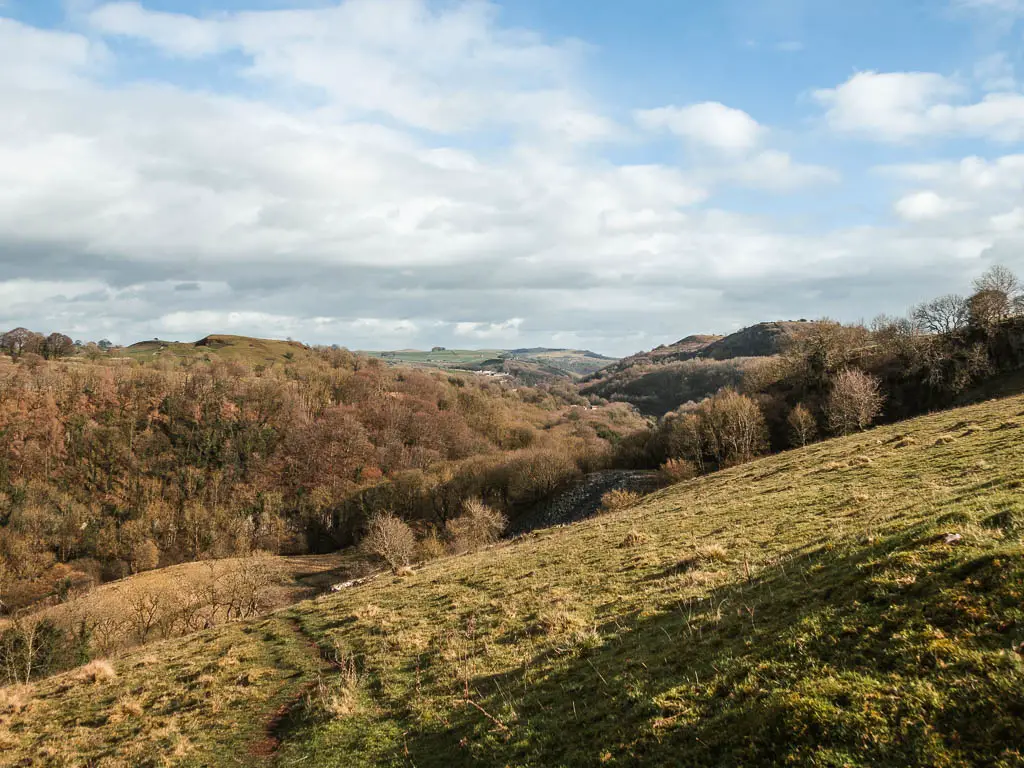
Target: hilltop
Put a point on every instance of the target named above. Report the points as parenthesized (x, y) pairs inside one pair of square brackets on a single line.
[(856, 602), (240, 349)]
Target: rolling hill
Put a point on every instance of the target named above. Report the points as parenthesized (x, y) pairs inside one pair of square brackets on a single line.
[(532, 366), (241, 349), (693, 368), (854, 603)]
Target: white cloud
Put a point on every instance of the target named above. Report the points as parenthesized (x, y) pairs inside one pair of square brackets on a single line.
[(899, 106), (505, 330), (975, 175), (175, 33), (926, 206), (1008, 222), (710, 123), (775, 170), (892, 105), (448, 69)]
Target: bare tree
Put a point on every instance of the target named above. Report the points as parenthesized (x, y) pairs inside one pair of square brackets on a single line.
[(803, 427), (854, 402), (998, 278), (946, 314), (389, 539)]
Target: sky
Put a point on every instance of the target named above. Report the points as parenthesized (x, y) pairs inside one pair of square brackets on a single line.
[(609, 175)]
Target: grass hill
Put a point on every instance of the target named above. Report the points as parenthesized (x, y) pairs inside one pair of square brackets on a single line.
[(240, 349), (857, 602), (533, 365)]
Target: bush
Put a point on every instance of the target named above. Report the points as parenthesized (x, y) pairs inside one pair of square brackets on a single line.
[(389, 539), (431, 547), (617, 500), (479, 526)]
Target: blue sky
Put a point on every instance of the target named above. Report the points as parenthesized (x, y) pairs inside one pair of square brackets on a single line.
[(386, 173)]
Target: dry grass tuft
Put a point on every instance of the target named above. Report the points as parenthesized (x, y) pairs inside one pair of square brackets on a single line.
[(339, 695), (633, 539), (97, 671), (861, 461), (712, 553), (944, 439), (906, 442), (617, 500), (128, 708)]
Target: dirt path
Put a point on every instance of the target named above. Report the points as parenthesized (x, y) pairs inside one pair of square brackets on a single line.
[(311, 665)]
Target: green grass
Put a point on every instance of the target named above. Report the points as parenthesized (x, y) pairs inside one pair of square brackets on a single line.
[(799, 610)]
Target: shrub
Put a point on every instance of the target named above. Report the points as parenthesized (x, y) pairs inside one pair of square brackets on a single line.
[(619, 499), (479, 526), (431, 547), (676, 471), (389, 539)]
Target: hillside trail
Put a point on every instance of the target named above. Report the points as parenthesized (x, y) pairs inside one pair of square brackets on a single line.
[(299, 651), (295, 649)]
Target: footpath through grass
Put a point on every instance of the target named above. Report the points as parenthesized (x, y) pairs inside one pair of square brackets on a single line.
[(805, 609)]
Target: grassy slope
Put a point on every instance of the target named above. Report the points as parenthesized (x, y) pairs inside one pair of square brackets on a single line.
[(291, 579), (796, 610), (239, 349)]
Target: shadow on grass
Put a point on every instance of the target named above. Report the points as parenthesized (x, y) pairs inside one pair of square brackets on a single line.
[(892, 654), (895, 653)]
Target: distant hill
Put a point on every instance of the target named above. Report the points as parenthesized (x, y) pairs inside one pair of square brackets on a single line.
[(530, 365), (241, 349), (692, 368), (761, 340)]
